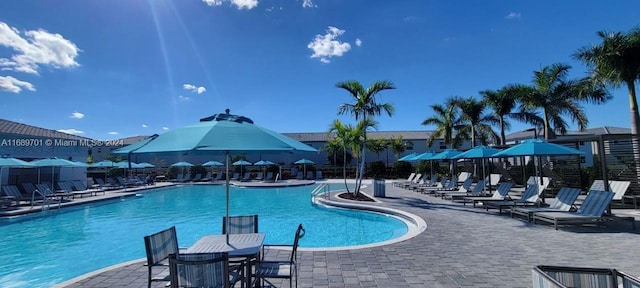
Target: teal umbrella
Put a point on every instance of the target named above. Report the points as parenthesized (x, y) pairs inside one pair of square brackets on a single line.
[(408, 157), (146, 165), (447, 154), (263, 163), (479, 152), (104, 164), (11, 162), (304, 163), (538, 147), (223, 134), (212, 163), (52, 162), (182, 164), (424, 156)]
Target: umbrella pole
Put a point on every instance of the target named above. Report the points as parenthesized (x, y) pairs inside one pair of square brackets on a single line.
[(226, 222)]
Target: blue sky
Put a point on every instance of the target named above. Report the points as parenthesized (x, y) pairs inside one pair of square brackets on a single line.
[(119, 68)]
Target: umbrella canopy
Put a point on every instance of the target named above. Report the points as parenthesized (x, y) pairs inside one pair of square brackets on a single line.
[(408, 157), (212, 163), (53, 162), (104, 163), (220, 134), (477, 152), (13, 162), (423, 156), (10, 162), (241, 163), (537, 147), (304, 161), (446, 154), (146, 165), (263, 163), (181, 164)]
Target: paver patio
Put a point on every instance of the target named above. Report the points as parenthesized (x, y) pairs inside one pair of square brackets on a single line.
[(462, 247)]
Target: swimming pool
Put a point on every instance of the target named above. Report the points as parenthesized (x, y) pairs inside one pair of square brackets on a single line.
[(42, 250)]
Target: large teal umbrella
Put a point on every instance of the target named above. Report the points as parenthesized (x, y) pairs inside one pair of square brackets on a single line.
[(408, 157), (223, 134), (10, 162), (241, 163), (52, 162), (447, 154), (304, 163), (538, 147), (212, 163), (425, 156), (479, 152)]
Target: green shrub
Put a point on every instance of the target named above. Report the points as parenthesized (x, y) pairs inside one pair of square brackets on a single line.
[(376, 170)]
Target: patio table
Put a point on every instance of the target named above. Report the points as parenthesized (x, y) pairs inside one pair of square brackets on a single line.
[(240, 245)]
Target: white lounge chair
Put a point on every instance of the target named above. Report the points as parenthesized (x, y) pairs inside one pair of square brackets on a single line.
[(562, 203), (501, 193)]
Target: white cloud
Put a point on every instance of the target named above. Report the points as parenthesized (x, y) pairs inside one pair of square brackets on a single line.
[(308, 4), (358, 42), (77, 115), (37, 47), (113, 133), (513, 15), (70, 131), (194, 88), (240, 4), (144, 126), (165, 128), (328, 45), (213, 2), (183, 98), (245, 4), (13, 85)]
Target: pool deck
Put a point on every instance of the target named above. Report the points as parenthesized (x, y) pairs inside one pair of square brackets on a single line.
[(461, 247)]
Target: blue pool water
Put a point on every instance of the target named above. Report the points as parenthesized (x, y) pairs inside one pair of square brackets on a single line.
[(45, 249)]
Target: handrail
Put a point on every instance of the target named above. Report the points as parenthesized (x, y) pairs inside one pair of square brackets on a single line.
[(322, 189), (45, 200)]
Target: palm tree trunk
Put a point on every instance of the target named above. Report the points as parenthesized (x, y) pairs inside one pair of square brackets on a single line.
[(635, 122), (344, 168), (547, 129), (503, 137)]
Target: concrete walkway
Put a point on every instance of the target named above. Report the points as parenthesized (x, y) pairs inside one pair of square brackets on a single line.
[(462, 247)]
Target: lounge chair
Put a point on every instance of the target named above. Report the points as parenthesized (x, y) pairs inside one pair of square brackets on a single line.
[(206, 178), (319, 175), (501, 193), (269, 177), (591, 211), (562, 277), (477, 190), (78, 185), (13, 194), (48, 193), (287, 269), (299, 175), (463, 188), (463, 176), (186, 178), (199, 270), (310, 175), (409, 179), (416, 179), (104, 186), (235, 176), (179, 178), (448, 186), (563, 202), (197, 178), (67, 188), (529, 198), (158, 247), (259, 176), (493, 179), (247, 176), (435, 186)]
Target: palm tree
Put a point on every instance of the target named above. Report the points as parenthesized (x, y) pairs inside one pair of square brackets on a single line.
[(445, 120), (474, 122), (503, 102), (377, 145), (365, 107), (345, 135), (616, 62), (398, 145), (557, 96)]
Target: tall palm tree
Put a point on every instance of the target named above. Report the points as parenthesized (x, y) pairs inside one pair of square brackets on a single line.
[(558, 96), (345, 135), (365, 106), (616, 62), (474, 122), (445, 119), (503, 102)]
